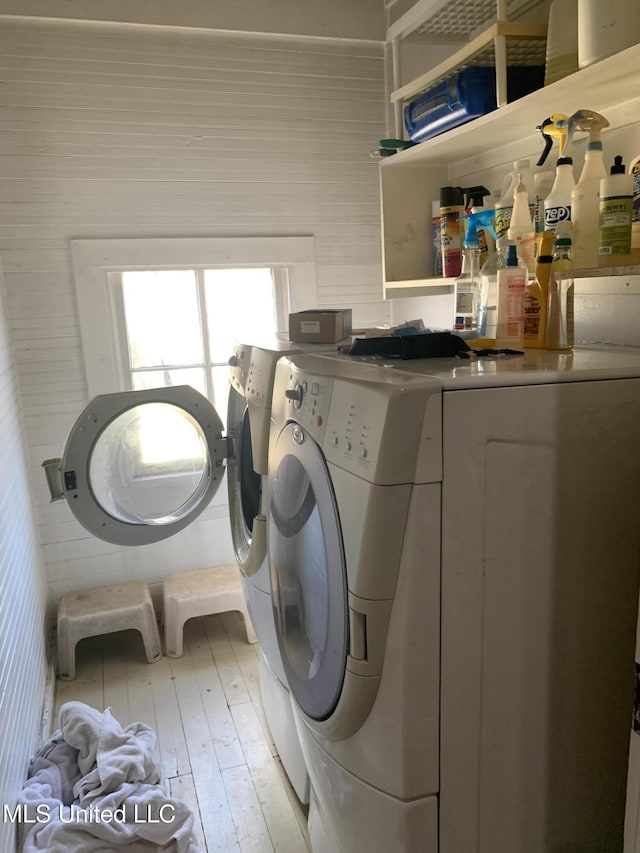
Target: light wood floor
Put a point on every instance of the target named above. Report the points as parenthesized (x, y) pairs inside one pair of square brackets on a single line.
[(216, 751)]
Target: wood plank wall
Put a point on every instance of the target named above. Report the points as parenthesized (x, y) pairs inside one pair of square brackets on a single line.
[(113, 131), (22, 597)]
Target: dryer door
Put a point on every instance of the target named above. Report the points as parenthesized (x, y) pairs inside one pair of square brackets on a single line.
[(248, 525), (308, 574), (139, 466)]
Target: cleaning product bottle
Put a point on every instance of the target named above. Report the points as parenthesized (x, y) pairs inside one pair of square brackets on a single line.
[(542, 183), (475, 204), (616, 210), (520, 229), (634, 171), (466, 287), (536, 296), (451, 214), (504, 205), (585, 198), (436, 235), (557, 205), (512, 280), (488, 309), (560, 331)]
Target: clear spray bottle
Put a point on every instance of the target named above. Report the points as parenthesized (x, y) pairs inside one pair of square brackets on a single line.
[(585, 198), (560, 326), (481, 219), (466, 287)]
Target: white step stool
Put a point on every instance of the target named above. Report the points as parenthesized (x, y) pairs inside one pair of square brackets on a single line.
[(200, 593), (103, 610)]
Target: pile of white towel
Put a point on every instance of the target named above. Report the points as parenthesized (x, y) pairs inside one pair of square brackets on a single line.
[(94, 787)]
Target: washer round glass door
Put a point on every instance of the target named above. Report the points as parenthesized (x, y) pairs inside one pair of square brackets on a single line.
[(308, 574), (244, 485), (139, 466)]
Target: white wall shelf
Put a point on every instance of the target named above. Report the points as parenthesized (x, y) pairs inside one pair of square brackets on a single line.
[(411, 179)]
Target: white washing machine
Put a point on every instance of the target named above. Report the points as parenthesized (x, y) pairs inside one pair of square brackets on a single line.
[(453, 550), (248, 420), (119, 493)]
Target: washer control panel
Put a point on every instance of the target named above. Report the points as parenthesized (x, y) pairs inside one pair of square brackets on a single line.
[(372, 422), (239, 362), (307, 399)]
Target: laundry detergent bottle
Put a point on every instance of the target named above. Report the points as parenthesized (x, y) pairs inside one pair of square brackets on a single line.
[(616, 213), (536, 298)]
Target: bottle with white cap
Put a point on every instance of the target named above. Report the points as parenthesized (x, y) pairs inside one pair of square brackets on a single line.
[(616, 211), (520, 229), (557, 205), (585, 198), (504, 206)]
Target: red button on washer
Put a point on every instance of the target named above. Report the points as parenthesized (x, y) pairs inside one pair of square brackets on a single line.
[(319, 420)]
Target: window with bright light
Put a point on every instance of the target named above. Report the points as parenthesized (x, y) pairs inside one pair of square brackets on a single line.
[(181, 325), (157, 312)]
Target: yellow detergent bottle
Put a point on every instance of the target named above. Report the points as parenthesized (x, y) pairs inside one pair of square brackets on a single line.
[(536, 296)]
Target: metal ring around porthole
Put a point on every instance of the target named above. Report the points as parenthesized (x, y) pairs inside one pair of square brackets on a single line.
[(244, 484), (130, 482), (308, 573)]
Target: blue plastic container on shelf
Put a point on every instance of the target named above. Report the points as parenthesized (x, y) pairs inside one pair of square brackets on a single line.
[(464, 96)]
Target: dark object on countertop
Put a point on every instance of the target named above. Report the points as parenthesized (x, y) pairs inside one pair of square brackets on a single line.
[(422, 345), (431, 345)]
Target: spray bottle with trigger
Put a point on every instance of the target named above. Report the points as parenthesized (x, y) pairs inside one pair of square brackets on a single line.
[(585, 198), (475, 204), (557, 205), (468, 298)]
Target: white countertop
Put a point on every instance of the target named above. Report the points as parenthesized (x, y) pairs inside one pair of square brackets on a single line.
[(535, 367)]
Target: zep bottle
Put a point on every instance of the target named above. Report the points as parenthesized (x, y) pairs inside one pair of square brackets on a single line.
[(557, 205)]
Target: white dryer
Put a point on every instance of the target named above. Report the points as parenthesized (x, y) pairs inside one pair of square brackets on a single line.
[(453, 550), (118, 493), (248, 421)]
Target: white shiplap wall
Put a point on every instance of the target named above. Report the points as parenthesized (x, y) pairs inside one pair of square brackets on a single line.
[(22, 597), (114, 131)]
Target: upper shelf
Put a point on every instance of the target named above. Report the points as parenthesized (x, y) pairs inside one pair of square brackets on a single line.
[(527, 44), (601, 86), (451, 17)]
